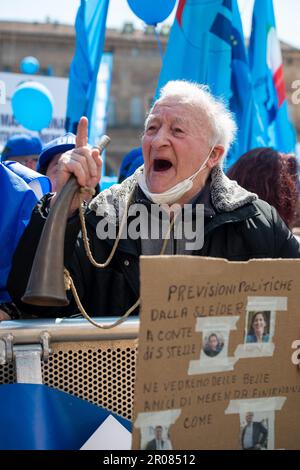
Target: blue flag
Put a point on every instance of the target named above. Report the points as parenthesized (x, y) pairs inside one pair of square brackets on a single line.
[(195, 53), (242, 100), (40, 184), (37, 417), (90, 33), (206, 45), (267, 75), (17, 203)]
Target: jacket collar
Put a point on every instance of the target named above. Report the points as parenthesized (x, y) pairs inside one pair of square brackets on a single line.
[(226, 195), (231, 202)]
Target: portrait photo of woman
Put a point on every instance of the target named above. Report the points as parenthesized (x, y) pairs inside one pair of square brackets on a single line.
[(258, 328)]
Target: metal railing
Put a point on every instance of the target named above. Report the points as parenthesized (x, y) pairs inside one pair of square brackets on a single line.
[(74, 356)]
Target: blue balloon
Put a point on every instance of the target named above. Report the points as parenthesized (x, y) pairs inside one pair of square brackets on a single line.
[(32, 105), (152, 12), (29, 65)]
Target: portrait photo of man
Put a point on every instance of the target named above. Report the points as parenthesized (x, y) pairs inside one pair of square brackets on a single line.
[(254, 435), (213, 345), (159, 442)]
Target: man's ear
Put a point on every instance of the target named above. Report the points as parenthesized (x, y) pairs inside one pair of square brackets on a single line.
[(216, 156)]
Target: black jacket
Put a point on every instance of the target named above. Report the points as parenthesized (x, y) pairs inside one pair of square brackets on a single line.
[(151, 445), (259, 435), (241, 228)]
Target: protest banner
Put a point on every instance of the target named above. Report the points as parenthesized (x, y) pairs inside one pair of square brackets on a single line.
[(218, 352)]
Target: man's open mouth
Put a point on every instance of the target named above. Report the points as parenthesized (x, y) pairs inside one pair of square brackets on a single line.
[(160, 164)]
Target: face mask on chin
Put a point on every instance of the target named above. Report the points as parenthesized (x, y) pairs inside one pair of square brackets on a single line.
[(176, 192)]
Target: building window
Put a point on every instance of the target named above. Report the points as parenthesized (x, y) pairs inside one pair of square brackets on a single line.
[(136, 114), (111, 112)]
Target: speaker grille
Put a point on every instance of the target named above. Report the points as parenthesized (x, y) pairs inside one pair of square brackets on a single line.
[(7, 374), (101, 372)]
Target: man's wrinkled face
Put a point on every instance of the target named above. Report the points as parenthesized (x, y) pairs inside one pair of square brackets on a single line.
[(175, 144)]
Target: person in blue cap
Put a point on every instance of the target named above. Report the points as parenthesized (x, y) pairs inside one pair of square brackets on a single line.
[(131, 161), (22, 148), (48, 159)]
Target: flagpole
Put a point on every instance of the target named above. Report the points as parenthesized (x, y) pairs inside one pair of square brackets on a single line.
[(158, 42)]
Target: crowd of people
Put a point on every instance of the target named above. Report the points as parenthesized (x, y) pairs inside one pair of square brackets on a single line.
[(187, 136), (27, 171)]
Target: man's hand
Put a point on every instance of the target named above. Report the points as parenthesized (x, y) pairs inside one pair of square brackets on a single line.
[(82, 162), (4, 316)]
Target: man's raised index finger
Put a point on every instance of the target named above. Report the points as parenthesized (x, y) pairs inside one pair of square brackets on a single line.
[(82, 132)]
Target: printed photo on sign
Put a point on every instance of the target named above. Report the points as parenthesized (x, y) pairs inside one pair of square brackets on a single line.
[(156, 438), (254, 431), (257, 417), (213, 344), (258, 327)]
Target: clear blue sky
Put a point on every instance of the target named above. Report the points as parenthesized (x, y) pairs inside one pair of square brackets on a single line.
[(287, 14)]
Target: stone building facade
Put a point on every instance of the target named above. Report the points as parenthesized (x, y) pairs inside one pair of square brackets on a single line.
[(136, 66)]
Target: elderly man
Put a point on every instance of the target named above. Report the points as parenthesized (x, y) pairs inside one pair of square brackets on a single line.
[(187, 135)]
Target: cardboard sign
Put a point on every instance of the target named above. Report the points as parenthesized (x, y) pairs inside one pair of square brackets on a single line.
[(218, 351)]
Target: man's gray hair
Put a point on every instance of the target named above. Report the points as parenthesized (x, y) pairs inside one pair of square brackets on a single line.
[(220, 119)]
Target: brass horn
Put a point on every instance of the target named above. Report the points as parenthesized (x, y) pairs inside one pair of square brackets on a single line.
[(46, 282)]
